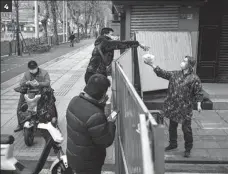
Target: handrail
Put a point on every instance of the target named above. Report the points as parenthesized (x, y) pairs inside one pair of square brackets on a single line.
[(148, 165), (123, 155)]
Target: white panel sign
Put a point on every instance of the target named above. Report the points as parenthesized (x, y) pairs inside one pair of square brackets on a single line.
[(169, 49)]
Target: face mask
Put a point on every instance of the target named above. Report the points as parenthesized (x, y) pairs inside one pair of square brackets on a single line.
[(114, 37), (34, 71), (184, 64), (104, 99)]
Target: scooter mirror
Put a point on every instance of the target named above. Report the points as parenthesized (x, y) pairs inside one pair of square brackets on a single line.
[(24, 107)]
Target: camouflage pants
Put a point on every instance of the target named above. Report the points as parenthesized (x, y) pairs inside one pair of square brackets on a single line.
[(187, 130)]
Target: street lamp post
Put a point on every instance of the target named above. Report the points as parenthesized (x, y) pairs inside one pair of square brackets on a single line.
[(66, 24), (63, 21), (36, 20), (17, 28)]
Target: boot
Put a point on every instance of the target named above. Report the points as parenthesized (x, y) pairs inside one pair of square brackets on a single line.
[(18, 128), (187, 153), (170, 147)]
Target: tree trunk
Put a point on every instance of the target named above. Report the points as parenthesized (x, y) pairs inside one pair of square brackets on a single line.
[(68, 28), (53, 10), (18, 27), (44, 21)]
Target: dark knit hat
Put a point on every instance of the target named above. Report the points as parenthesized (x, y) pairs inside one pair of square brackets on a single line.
[(32, 64), (97, 86), (191, 61)]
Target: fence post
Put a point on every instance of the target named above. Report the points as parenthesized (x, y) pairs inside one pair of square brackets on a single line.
[(22, 47), (158, 132), (10, 48)]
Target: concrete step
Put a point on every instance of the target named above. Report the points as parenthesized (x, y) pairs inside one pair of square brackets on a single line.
[(157, 104), (172, 168), (107, 168), (216, 90)]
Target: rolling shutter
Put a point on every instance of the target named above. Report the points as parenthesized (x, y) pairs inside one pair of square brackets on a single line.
[(154, 18), (223, 52)]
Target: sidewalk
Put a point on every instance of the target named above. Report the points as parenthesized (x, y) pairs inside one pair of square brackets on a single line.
[(210, 136), (67, 79), (14, 65)]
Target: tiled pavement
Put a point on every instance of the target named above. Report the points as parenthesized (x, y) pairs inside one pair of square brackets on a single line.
[(210, 131), (67, 79)]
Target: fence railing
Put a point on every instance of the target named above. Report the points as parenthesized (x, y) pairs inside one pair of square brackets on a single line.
[(137, 151), (10, 47)]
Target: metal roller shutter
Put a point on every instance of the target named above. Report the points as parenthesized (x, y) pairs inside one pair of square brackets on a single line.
[(223, 53), (154, 18)]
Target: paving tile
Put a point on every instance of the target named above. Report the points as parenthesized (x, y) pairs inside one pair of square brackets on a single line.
[(220, 105), (220, 154), (226, 131), (200, 153), (223, 144), (206, 144), (213, 132)]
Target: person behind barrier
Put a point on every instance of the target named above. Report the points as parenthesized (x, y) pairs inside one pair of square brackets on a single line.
[(89, 132), (103, 52), (71, 38), (183, 91), (36, 77)]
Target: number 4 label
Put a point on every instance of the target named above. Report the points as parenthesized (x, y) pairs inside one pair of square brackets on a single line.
[(6, 7)]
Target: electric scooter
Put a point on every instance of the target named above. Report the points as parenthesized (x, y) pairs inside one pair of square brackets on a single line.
[(53, 137)]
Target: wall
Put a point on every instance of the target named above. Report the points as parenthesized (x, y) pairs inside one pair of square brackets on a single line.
[(116, 27), (189, 21)]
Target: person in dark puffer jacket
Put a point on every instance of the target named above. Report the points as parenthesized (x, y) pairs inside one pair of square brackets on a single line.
[(89, 132), (103, 52)]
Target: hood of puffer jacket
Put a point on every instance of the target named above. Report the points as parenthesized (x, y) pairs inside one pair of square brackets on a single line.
[(100, 39)]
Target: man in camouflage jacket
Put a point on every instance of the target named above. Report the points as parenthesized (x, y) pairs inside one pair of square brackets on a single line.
[(103, 52), (183, 91)]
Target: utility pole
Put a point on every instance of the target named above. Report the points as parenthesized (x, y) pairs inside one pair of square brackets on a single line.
[(66, 24), (36, 20), (63, 21), (17, 28)]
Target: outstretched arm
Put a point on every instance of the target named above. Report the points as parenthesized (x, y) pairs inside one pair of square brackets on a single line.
[(109, 45), (160, 72)]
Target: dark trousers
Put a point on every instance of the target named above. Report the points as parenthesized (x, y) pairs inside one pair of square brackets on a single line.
[(72, 43), (19, 113), (187, 130)]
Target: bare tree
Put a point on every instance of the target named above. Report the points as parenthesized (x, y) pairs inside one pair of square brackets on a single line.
[(45, 20), (75, 12), (54, 16)]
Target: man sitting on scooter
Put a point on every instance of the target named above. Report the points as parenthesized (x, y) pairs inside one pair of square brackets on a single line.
[(36, 77)]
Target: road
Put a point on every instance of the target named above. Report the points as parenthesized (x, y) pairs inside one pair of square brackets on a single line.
[(14, 65)]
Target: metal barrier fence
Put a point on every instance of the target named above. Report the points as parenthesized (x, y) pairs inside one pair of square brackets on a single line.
[(137, 151)]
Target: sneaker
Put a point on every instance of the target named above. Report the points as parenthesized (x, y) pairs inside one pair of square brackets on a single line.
[(18, 128), (170, 147), (187, 154)]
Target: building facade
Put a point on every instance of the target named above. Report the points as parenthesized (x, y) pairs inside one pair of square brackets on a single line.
[(206, 20)]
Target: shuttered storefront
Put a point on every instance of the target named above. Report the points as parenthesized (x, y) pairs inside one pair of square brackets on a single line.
[(154, 18), (223, 52)]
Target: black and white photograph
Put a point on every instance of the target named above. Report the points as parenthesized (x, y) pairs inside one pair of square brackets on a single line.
[(114, 87)]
